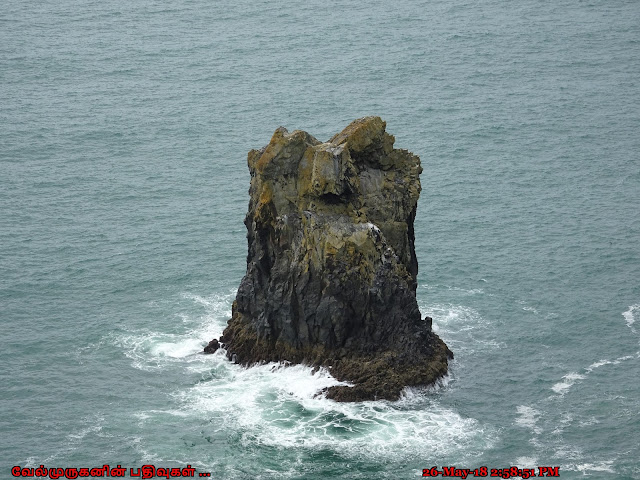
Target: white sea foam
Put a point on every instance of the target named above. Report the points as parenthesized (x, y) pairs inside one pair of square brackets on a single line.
[(598, 364), (602, 363), (31, 462), (526, 462), (283, 407), (623, 359), (528, 418), (567, 382), (84, 432), (179, 349), (569, 453), (630, 316), (453, 317), (566, 419), (461, 327), (440, 384), (604, 466), (151, 350), (280, 407), (589, 421)]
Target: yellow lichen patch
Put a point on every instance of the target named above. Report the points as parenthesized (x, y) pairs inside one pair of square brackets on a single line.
[(305, 170), (333, 243), (360, 238), (264, 205), (252, 157), (266, 195), (273, 149), (361, 133)]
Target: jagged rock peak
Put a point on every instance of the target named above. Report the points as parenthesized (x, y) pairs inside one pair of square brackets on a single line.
[(331, 269)]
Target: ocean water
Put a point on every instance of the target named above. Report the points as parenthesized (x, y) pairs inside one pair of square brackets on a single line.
[(124, 129)]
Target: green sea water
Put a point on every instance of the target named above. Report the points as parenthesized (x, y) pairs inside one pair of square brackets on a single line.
[(124, 129)]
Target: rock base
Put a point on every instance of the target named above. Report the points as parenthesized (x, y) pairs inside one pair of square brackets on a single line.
[(380, 375)]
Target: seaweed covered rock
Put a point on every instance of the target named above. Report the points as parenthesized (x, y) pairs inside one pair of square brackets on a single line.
[(331, 268)]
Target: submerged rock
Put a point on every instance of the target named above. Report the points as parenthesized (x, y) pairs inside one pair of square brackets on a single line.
[(331, 269), (212, 346)]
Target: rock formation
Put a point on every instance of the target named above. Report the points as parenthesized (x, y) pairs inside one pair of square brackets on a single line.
[(331, 269)]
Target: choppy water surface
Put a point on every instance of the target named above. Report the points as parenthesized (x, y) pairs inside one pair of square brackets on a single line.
[(124, 129)]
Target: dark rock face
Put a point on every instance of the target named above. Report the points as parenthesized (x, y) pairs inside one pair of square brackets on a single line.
[(212, 346), (331, 269)]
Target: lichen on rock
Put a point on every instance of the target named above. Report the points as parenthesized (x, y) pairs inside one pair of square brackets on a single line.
[(331, 269)]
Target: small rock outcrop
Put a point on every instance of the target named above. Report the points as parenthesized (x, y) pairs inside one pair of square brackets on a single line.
[(331, 268)]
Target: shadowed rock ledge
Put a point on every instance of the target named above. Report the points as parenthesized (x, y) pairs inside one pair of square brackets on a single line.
[(331, 268)]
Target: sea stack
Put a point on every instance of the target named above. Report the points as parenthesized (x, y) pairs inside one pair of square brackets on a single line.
[(331, 268)]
